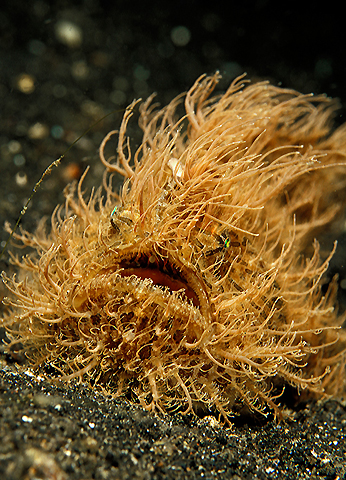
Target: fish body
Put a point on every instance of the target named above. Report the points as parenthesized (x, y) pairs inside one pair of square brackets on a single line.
[(200, 283)]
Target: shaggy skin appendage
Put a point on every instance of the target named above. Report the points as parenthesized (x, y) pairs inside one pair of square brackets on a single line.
[(200, 283)]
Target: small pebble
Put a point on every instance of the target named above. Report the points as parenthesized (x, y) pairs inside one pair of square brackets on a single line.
[(25, 83), (69, 33), (21, 179), (38, 131), (180, 36)]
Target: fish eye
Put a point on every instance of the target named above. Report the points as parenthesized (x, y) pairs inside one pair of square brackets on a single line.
[(114, 210), (120, 215), (227, 243)]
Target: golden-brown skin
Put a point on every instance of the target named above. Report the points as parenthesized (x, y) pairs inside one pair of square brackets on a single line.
[(192, 287)]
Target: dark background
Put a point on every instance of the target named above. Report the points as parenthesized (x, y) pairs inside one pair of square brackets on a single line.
[(124, 50)]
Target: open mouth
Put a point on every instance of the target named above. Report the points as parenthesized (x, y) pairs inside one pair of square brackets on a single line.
[(162, 273)]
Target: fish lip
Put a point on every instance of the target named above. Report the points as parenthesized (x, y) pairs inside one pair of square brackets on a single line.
[(167, 271), (162, 279)]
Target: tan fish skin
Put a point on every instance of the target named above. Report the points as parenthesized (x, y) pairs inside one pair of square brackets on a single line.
[(200, 283)]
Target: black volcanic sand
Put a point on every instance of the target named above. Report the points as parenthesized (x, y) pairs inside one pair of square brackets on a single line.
[(63, 66), (51, 432)]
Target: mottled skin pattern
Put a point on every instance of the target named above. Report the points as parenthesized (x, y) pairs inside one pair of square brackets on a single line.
[(191, 287)]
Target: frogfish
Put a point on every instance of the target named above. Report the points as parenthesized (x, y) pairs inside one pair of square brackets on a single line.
[(199, 284)]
